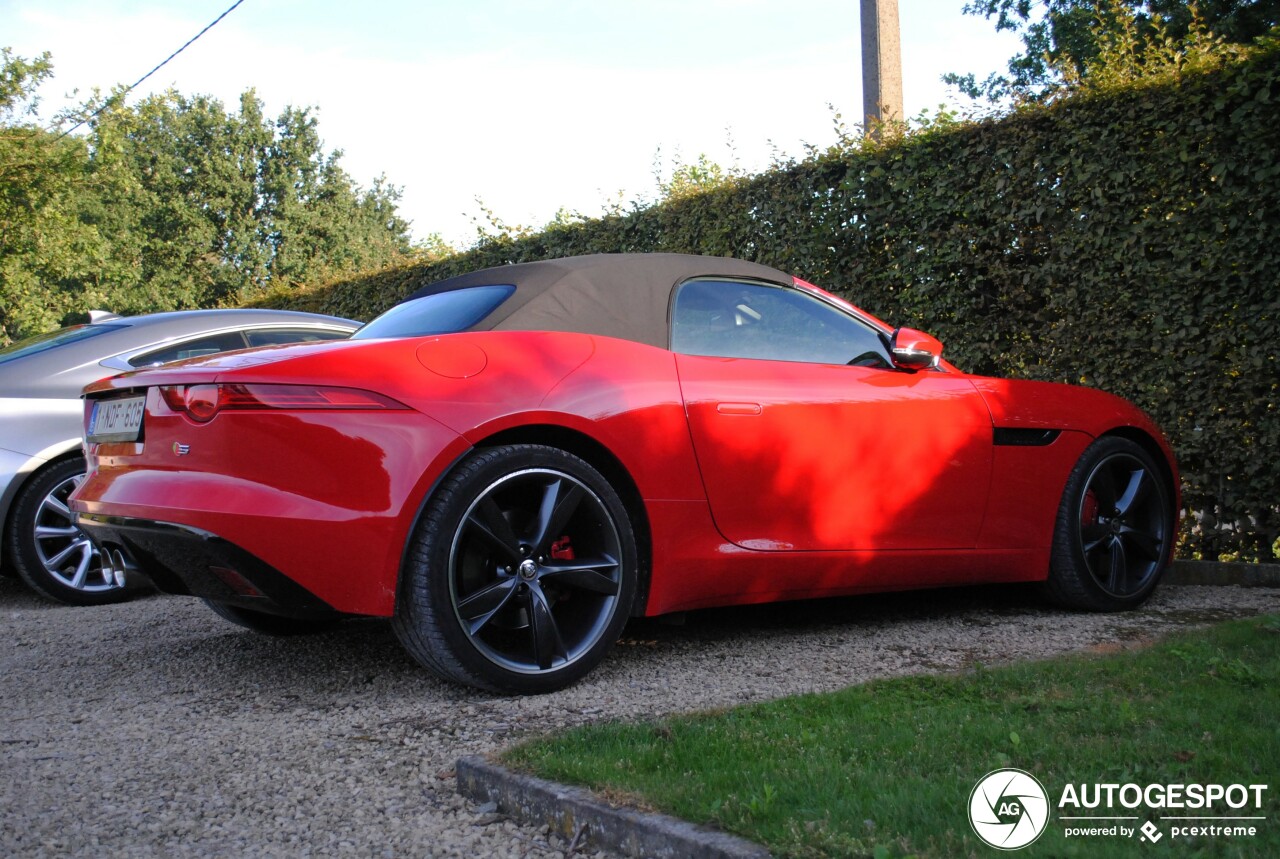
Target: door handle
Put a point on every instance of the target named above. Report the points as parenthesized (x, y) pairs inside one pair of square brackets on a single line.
[(739, 408)]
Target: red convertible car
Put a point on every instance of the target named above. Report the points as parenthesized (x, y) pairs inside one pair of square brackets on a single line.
[(512, 462)]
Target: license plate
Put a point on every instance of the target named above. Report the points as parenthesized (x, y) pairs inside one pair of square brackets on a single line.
[(116, 420)]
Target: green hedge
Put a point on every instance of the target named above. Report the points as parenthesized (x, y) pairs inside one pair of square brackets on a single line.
[(1128, 240)]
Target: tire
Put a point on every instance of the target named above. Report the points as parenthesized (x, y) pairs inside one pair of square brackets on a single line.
[(520, 574), (271, 624), (1115, 529), (49, 553)]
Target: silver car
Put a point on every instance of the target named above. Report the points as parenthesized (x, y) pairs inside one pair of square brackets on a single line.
[(41, 461)]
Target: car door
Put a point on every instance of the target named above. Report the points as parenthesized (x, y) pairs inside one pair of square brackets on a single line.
[(809, 439)]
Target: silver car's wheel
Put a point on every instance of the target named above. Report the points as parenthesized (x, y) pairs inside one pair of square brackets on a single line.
[(49, 552)]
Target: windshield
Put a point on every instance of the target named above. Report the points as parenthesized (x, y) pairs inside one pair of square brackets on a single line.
[(442, 313), (52, 340)]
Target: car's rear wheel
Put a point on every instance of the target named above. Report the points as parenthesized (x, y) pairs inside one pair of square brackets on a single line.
[(521, 572), (1115, 529), (49, 552), (271, 624)]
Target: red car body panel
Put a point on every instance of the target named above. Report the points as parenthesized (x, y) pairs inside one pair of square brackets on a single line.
[(1031, 479), (286, 471), (912, 469), (757, 480), (698, 568), (278, 495)]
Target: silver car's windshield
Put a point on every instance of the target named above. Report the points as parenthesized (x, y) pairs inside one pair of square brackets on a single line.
[(52, 340)]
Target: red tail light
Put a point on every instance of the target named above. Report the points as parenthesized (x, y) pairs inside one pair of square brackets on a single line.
[(202, 402)]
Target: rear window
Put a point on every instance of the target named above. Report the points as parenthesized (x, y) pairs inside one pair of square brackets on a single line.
[(285, 336), (52, 340), (199, 347), (442, 313)]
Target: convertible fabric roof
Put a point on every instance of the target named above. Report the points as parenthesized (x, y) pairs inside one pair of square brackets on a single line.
[(614, 295)]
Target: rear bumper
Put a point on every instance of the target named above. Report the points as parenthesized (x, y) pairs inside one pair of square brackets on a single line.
[(180, 559)]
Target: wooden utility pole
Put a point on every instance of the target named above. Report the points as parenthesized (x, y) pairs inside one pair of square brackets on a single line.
[(881, 63)]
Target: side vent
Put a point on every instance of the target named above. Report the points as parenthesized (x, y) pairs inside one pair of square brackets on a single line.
[(1007, 437)]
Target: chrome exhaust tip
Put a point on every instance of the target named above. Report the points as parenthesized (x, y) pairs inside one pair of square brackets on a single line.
[(118, 568)]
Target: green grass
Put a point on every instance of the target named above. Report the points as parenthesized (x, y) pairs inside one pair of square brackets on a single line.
[(886, 769)]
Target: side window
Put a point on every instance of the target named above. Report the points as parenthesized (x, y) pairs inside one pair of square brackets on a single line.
[(281, 336), (730, 319), (211, 345)]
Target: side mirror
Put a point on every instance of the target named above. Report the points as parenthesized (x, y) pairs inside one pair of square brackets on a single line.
[(915, 350)]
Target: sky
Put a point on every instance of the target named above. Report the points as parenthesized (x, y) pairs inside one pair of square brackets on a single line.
[(522, 107)]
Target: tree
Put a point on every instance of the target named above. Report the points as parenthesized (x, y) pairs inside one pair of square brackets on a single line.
[(1064, 39), (320, 223), (223, 205), (45, 249), (172, 203)]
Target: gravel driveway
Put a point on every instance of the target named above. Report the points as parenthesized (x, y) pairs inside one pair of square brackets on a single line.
[(155, 729)]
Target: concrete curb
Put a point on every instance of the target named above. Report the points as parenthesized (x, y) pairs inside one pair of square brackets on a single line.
[(576, 814), (1215, 573)]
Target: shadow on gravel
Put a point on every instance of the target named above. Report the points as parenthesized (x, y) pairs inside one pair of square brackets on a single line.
[(854, 612), (178, 645), (14, 594)]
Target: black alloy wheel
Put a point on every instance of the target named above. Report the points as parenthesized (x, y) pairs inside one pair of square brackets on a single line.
[(521, 573), (1115, 528)]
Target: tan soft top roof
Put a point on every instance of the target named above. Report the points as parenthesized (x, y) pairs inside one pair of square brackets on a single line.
[(614, 295)]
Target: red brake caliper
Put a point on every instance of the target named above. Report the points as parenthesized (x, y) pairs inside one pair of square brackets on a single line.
[(562, 550), (1089, 510)]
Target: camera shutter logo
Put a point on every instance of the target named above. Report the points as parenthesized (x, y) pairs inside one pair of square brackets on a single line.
[(1008, 809)]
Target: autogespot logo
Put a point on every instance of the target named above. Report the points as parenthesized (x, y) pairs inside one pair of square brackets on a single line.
[(1008, 809)]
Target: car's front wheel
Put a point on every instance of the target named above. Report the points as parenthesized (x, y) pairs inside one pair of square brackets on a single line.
[(521, 572), (49, 552), (1115, 528)]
